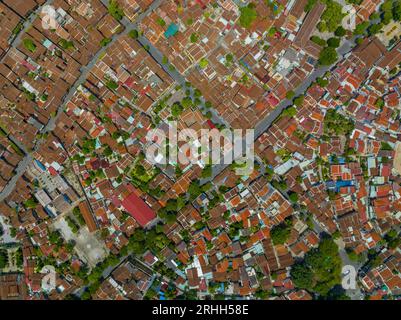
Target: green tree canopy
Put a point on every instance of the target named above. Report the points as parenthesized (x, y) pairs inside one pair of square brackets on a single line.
[(340, 32), (333, 42), (337, 124), (320, 270), (248, 15), (280, 233), (327, 56)]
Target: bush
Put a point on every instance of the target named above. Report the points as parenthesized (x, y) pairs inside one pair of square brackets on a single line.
[(397, 11), (299, 100), (13, 232), (176, 109), (333, 42), (29, 45), (352, 255), (3, 258), (361, 28), (379, 103), (290, 94), (319, 41), (229, 58), (115, 11), (72, 224), (289, 112), (309, 5), (359, 40), (340, 32), (105, 42), (197, 93), (55, 238), (194, 37), (332, 16), (293, 197), (77, 214), (194, 190), (280, 233), (208, 105), (386, 146), (375, 28), (30, 203), (392, 239), (161, 22), (322, 82), (337, 124), (272, 31), (207, 171), (134, 34), (112, 85), (66, 44)]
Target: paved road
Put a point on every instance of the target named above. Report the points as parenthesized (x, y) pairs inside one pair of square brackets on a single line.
[(50, 126), (158, 56), (107, 272), (318, 72), (264, 124), (18, 143), (261, 127), (86, 69), (26, 25), (354, 294), (19, 171), (346, 261)]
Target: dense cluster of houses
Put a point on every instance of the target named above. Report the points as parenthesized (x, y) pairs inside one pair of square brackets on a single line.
[(76, 105)]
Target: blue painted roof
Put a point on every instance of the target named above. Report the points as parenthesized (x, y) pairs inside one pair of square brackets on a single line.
[(40, 165), (171, 30), (343, 183)]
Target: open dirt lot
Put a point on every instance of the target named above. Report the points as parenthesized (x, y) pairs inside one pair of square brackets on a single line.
[(397, 158), (390, 31)]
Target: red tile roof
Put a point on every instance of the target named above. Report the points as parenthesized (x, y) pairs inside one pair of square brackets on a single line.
[(138, 209)]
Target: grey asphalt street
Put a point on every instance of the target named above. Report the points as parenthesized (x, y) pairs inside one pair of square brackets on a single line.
[(50, 126), (354, 294), (319, 72), (26, 25), (179, 78), (261, 127), (265, 123)]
